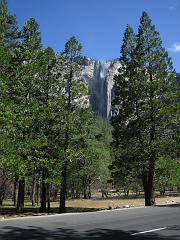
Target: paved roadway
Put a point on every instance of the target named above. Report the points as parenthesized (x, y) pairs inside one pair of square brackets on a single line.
[(160, 223)]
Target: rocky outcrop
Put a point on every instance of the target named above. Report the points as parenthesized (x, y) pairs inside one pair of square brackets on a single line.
[(99, 76)]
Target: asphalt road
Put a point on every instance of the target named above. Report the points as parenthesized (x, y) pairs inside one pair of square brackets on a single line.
[(158, 223)]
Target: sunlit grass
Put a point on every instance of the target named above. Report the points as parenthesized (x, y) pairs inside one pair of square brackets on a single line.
[(95, 203)]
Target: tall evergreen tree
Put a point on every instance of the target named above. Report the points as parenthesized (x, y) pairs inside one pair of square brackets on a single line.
[(8, 42), (23, 92), (122, 106), (9, 28), (123, 166), (75, 96), (153, 68), (48, 103), (152, 83)]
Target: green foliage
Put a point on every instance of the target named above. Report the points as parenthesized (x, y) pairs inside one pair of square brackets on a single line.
[(8, 35), (91, 162), (45, 115), (167, 173), (143, 106), (8, 23)]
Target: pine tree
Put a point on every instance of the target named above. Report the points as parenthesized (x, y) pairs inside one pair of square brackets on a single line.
[(47, 98), (154, 71), (9, 28), (150, 84), (122, 106), (8, 41), (123, 109), (75, 96), (23, 93)]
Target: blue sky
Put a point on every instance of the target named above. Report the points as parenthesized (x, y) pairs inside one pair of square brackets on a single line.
[(99, 24)]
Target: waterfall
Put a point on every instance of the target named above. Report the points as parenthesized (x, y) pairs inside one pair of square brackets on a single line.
[(99, 76)]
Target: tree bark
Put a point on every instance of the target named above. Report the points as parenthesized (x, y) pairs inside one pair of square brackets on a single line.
[(2, 195), (148, 183), (62, 208), (15, 191), (43, 192), (20, 200), (48, 198), (33, 193), (3, 180), (89, 186), (33, 189), (84, 183), (38, 192)]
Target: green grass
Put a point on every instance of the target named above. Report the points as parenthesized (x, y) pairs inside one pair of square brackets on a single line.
[(8, 203)]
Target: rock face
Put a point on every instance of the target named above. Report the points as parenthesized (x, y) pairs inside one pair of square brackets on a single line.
[(99, 76)]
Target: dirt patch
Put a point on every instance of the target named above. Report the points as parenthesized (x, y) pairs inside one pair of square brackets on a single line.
[(115, 202)]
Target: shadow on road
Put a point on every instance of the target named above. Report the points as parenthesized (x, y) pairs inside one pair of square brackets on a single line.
[(35, 211), (33, 233)]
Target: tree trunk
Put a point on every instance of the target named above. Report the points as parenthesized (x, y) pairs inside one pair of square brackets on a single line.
[(104, 193), (48, 198), (124, 192), (85, 191), (84, 183), (2, 193), (73, 191), (54, 194), (20, 200), (149, 195), (162, 191), (85, 194), (38, 192), (33, 193), (43, 192), (77, 194), (62, 208), (89, 186), (33, 190), (15, 191), (148, 184), (3, 180)]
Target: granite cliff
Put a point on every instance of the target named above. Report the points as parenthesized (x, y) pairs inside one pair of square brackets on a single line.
[(99, 76)]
